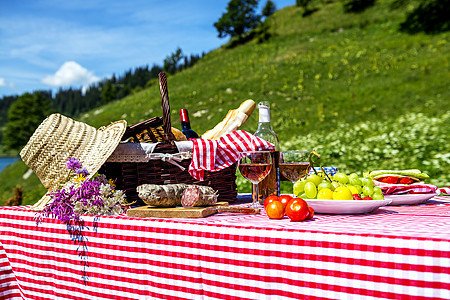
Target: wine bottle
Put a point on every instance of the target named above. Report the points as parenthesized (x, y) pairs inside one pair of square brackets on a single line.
[(186, 125), (271, 184)]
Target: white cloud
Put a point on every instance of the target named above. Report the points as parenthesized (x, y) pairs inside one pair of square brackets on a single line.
[(2, 81), (70, 73)]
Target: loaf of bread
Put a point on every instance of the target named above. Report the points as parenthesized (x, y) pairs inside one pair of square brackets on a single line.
[(178, 135), (233, 120)]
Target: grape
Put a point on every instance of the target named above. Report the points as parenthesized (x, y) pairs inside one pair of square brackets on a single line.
[(342, 193), (353, 175), (367, 182), (341, 186), (341, 177), (377, 190), (299, 187), (316, 179), (335, 185), (325, 185), (368, 190), (355, 181), (310, 190), (359, 188), (353, 189), (377, 196), (325, 193)]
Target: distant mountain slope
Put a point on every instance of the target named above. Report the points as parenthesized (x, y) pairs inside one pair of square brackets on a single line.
[(350, 85)]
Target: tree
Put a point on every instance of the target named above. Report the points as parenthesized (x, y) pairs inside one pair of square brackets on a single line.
[(356, 6), (108, 92), (239, 18), (24, 116), (171, 61), (5, 104), (303, 3), (431, 16), (269, 9)]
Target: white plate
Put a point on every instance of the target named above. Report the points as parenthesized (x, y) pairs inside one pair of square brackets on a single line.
[(345, 206), (409, 198)]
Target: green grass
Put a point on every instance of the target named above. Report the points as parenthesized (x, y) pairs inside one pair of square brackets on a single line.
[(328, 76), (13, 176)]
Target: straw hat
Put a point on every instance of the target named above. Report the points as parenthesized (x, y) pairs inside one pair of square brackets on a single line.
[(57, 139)]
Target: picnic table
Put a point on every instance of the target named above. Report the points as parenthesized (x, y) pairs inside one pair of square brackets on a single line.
[(396, 252)]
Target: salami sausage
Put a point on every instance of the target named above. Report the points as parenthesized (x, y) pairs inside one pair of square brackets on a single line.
[(197, 195), (168, 195)]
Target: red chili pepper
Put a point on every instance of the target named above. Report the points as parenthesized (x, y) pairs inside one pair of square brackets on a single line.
[(389, 179), (406, 180)]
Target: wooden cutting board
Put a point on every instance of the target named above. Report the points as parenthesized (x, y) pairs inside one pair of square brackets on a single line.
[(173, 212)]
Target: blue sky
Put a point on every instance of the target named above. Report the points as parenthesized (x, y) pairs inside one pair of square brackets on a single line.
[(47, 44)]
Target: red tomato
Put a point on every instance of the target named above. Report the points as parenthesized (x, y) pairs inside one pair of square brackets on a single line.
[(270, 199), (297, 209), (311, 213), (275, 210), (285, 199)]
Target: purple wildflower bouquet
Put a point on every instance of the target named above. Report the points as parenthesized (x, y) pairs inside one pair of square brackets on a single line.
[(81, 196)]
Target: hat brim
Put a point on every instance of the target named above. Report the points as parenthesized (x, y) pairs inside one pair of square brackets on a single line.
[(58, 138)]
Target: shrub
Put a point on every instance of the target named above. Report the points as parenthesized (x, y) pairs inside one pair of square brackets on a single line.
[(357, 5)]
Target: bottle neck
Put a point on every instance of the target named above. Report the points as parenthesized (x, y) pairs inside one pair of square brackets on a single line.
[(265, 130), (184, 115), (264, 114), (263, 126)]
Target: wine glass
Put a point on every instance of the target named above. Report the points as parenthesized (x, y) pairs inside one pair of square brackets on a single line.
[(294, 165), (254, 166)]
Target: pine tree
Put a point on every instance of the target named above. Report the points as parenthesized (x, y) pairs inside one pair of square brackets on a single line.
[(269, 9), (108, 92), (24, 116)]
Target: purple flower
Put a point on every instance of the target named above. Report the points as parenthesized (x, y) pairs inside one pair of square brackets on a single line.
[(82, 171), (73, 164)]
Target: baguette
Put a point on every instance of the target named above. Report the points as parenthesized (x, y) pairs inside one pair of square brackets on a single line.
[(233, 120)]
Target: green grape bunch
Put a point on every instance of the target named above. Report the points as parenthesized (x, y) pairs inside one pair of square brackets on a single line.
[(340, 186)]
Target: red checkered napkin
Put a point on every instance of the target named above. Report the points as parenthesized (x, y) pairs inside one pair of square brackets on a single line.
[(444, 190), (215, 155), (395, 189)]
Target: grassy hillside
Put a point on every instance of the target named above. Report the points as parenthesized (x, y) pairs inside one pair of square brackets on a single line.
[(354, 87)]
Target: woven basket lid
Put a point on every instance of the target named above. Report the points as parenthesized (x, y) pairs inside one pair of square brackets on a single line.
[(58, 138)]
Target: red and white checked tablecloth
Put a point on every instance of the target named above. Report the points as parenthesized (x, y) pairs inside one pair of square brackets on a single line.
[(397, 252)]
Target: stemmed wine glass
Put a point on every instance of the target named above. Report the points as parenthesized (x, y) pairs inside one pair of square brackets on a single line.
[(294, 165), (254, 166)]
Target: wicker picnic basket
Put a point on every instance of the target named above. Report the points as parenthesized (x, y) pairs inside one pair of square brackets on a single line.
[(130, 174)]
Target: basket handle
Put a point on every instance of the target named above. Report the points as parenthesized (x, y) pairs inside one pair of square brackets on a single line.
[(168, 136)]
